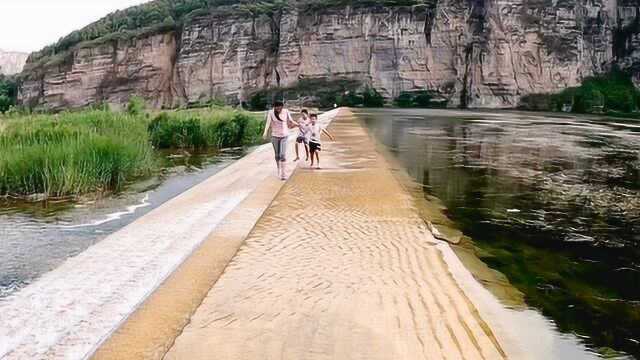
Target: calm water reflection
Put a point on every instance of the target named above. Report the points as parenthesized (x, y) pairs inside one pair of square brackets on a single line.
[(37, 237), (552, 202)]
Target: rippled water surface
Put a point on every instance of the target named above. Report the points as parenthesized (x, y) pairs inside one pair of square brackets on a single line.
[(37, 237), (553, 202)]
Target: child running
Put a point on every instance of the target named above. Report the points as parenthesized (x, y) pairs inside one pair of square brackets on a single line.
[(315, 143), (303, 135)]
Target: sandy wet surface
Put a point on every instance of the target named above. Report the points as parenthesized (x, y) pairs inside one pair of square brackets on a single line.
[(339, 267), (73, 309)]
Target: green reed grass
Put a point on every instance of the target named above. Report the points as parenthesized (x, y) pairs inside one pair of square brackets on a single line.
[(220, 128), (98, 151), (72, 154)]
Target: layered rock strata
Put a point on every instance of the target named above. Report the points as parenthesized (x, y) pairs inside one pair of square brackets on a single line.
[(473, 53)]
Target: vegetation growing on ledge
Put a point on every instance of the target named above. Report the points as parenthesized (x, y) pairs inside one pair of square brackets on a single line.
[(419, 99), (99, 151), (319, 92), (160, 16), (612, 93), (8, 93)]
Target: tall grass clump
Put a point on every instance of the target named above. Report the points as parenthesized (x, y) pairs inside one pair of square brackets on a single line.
[(72, 154), (214, 128)]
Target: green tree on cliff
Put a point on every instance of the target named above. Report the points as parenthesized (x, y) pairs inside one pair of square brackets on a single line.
[(8, 93)]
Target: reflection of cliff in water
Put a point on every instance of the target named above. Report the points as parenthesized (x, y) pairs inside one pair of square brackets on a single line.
[(553, 203)]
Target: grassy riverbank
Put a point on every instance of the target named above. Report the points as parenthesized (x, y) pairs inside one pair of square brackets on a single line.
[(97, 152)]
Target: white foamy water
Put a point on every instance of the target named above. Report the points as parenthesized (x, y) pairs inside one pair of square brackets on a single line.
[(113, 216)]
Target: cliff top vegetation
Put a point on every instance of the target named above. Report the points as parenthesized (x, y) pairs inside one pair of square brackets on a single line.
[(165, 15)]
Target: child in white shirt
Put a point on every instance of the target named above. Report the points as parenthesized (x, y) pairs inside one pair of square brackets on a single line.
[(315, 143), (303, 135)]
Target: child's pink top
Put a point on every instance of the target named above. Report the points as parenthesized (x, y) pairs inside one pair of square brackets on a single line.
[(279, 128)]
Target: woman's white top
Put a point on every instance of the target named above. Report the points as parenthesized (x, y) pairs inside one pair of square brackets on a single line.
[(279, 128)]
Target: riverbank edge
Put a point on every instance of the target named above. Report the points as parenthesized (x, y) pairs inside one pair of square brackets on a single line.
[(151, 329)]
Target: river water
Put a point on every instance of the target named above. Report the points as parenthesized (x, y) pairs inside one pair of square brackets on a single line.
[(37, 237), (550, 201)]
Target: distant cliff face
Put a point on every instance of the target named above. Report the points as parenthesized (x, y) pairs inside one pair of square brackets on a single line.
[(475, 53), (12, 62)]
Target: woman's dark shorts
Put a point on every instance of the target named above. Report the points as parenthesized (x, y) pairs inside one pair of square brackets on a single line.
[(314, 146)]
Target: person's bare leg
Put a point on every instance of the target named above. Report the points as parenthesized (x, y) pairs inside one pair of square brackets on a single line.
[(312, 157), (297, 153), (317, 160), (306, 149)]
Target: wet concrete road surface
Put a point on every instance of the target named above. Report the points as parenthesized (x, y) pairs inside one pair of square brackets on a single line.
[(340, 266)]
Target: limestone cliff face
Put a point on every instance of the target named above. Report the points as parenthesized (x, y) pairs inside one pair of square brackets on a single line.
[(11, 62), (110, 73), (475, 53)]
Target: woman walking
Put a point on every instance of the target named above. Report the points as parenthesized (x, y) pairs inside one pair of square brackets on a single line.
[(279, 120)]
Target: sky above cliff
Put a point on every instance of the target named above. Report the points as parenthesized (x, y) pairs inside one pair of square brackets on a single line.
[(29, 25)]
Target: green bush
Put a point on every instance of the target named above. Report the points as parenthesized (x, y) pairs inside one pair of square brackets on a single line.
[(8, 93), (136, 105), (405, 100), (422, 99), (350, 99), (372, 98), (5, 103), (418, 99), (314, 92), (259, 101), (588, 99)]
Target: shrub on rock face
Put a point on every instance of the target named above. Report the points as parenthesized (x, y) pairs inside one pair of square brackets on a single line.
[(5, 103), (422, 99), (621, 99), (258, 101), (418, 99), (8, 93), (372, 98), (405, 100), (588, 99), (350, 99), (537, 102)]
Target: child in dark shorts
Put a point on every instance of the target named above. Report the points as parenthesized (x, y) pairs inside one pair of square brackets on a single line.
[(303, 135), (315, 143)]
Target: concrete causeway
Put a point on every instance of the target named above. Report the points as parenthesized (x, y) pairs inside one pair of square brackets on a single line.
[(73, 309), (333, 264), (340, 266)]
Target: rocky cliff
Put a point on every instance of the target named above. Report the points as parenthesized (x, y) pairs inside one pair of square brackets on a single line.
[(474, 53), (12, 62)]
